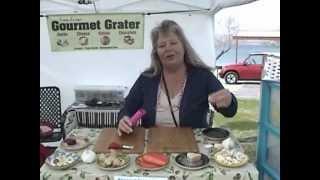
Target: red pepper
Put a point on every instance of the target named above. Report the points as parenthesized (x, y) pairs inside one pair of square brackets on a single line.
[(114, 145), (152, 159)]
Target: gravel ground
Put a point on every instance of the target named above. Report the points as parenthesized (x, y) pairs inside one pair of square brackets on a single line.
[(244, 89)]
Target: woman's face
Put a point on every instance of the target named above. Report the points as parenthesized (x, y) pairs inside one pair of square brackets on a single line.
[(170, 50)]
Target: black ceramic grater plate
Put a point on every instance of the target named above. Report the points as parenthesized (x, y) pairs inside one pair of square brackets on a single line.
[(216, 134)]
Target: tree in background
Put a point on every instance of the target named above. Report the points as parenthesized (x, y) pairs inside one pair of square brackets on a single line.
[(224, 41)]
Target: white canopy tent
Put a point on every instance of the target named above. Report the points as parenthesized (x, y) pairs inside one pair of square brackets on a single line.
[(143, 6), (121, 67)]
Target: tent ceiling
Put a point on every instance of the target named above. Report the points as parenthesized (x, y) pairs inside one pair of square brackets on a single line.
[(48, 7)]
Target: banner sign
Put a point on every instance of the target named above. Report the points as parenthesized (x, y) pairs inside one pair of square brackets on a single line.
[(96, 31)]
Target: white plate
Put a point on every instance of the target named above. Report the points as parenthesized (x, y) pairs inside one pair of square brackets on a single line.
[(123, 156), (81, 144), (235, 165)]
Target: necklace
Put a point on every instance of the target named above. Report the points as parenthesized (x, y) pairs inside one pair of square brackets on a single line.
[(176, 106)]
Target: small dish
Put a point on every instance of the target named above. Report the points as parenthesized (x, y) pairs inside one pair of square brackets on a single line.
[(81, 143), (145, 165), (107, 161), (216, 135), (231, 159), (182, 161)]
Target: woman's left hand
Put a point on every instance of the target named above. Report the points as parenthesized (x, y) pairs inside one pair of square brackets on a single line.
[(221, 98)]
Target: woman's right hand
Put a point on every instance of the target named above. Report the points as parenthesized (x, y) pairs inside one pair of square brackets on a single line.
[(124, 126)]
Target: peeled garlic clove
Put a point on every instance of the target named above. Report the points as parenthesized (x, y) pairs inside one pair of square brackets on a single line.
[(88, 156), (228, 143), (218, 146)]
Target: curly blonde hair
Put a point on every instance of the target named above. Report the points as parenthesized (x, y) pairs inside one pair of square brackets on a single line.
[(191, 58)]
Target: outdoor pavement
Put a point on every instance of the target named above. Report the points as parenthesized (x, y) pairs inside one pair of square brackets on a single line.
[(244, 89)]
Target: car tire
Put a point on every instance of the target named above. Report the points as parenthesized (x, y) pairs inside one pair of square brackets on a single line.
[(231, 77)]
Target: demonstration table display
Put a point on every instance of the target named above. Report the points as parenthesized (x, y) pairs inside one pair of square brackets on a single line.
[(154, 153)]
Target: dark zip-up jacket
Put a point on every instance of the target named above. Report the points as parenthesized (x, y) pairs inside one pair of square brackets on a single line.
[(194, 102)]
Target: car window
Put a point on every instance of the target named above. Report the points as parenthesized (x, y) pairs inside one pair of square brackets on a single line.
[(250, 60), (255, 59)]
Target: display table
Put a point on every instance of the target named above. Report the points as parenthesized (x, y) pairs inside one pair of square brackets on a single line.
[(172, 171)]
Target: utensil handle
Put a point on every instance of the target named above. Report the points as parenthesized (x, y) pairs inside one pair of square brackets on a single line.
[(138, 115), (127, 147)]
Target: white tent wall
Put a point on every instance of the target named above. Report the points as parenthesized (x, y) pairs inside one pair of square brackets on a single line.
[(117, 67), (121, 67)]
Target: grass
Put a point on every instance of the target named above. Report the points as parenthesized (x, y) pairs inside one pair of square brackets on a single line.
[(245, 121), (244, 124)]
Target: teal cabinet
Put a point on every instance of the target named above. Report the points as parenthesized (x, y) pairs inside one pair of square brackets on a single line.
[(268, 152)]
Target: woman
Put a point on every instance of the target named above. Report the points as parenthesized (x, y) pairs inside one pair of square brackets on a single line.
[(176, 89)]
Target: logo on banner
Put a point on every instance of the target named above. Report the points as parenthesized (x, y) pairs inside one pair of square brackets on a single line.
[(128, 39), (83, 41), (62, 42), (105, 40)]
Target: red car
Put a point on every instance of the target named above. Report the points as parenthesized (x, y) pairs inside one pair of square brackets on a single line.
[(249, 69)]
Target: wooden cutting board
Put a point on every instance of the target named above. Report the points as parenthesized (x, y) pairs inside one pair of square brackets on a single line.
[(171, 140), (109, 135)]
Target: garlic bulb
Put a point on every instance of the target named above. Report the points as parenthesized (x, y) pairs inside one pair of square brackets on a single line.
[(88, 156), (228, 143)]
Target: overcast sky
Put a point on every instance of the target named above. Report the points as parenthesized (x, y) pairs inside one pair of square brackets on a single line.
[(262, 15)]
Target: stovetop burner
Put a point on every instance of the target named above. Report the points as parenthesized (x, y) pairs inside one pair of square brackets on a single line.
[(98, 103)]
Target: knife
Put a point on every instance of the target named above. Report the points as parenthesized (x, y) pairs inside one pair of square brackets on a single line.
[(119, 146)]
